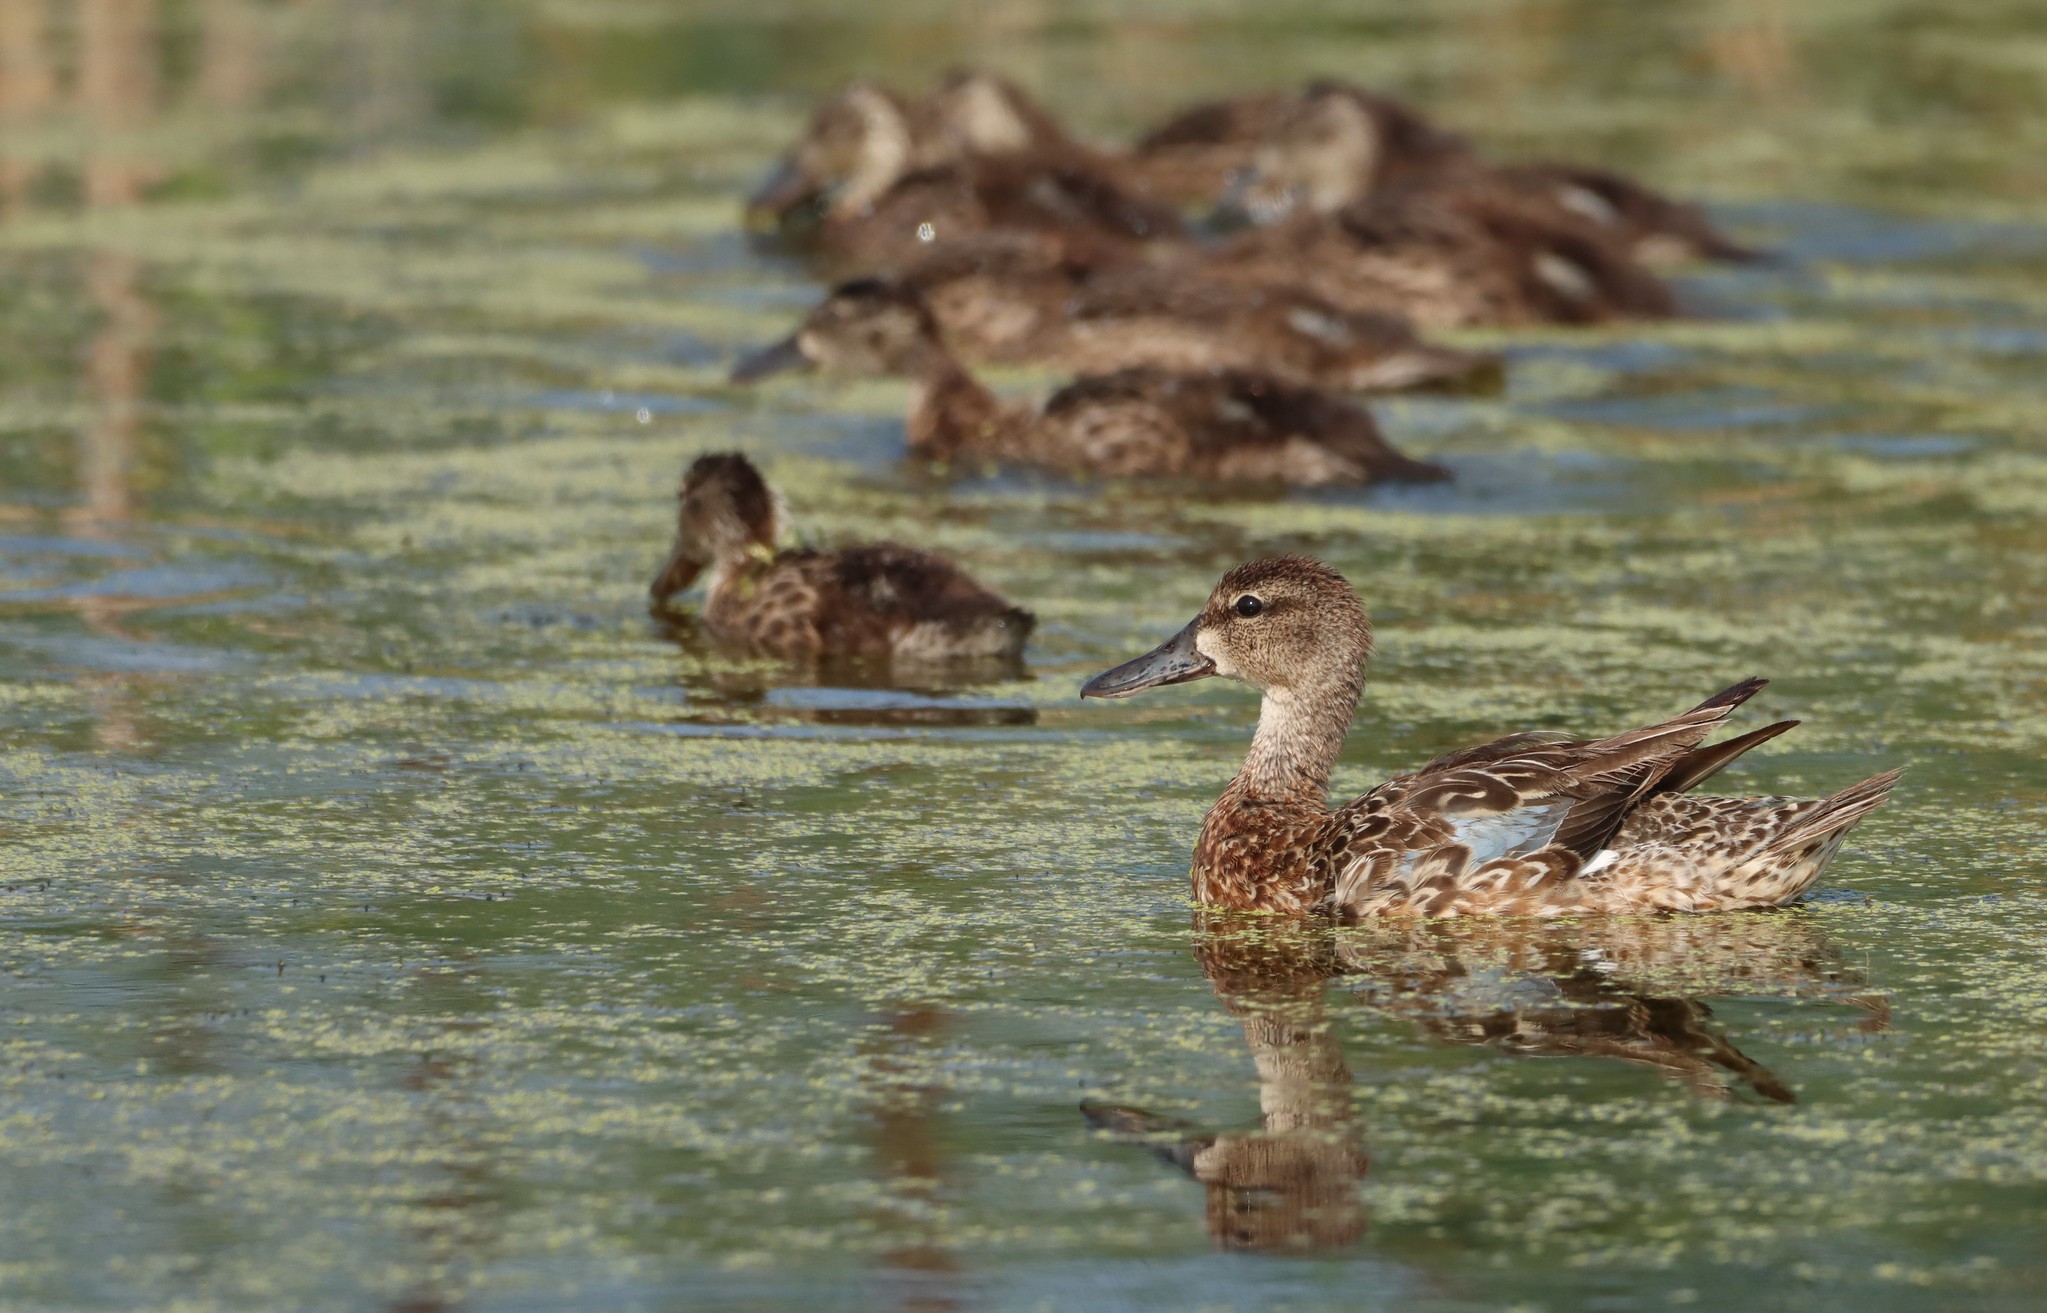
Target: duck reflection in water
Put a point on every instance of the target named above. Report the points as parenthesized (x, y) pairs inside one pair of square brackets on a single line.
[(1627, 988), (1291, 1183), (724, 689)]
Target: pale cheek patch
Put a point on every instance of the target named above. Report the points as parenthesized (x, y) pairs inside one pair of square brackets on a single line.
[(1223, 665)]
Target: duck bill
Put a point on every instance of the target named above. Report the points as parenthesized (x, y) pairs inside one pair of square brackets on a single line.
[(785, 190), (784, 357), (1174, 661), (680, 571)]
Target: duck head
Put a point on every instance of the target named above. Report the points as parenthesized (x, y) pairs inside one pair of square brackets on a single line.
[(868, 326), (1333, 146), (975, 112), (855, 148), (1287, 625), (726, 514), (1320, 156)]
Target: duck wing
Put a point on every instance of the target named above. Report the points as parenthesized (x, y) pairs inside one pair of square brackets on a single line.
[(1232, 425), (1503, 826), (876, 593)]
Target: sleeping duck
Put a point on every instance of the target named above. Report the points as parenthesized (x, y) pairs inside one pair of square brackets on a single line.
[(1220, 425), (874, 600), (1533, 824)]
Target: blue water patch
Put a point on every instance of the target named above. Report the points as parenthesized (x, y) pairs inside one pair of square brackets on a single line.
[(118, 656), (1685, 412), (608, 401), (1915, 446), (165, 582)]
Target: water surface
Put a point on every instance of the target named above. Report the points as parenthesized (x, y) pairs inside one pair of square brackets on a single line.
[(396, 916)]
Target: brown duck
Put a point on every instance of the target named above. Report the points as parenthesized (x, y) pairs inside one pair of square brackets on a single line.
[(1449, 254), (1336, 145), (875, 600), (1001, 299), (1530, 824), (1223, 425), (1201, 154), (875, 183)]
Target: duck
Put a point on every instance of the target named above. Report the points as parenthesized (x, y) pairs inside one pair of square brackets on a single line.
[(876, 181), (999, 300), (868, 600), (1449, 255), (1220, 425), (1337, 144), (1534, 824), (1200, 155)]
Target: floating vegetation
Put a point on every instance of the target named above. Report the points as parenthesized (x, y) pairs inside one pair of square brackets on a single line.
[(393, 912)]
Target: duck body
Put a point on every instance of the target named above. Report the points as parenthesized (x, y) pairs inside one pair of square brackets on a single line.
[(1202, 155), (969, 198), (877, 599), (870, 600), (1450, 256), (1221, 425), (1024, 302), (1336, 145), (877, 180), (1531, 824)]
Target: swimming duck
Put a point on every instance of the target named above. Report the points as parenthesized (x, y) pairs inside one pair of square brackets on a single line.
[(1200, 154), (1337, 145), (1530, 824), (1449, 254), (875, 599), (874, 184), (1222, 424), (1002, 300)]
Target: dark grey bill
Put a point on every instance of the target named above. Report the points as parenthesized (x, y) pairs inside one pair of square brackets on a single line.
[(782, 191), (677, 573), (781, 358), (1174, 661)]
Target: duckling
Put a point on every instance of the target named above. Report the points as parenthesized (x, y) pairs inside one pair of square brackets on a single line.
[(1337, 145), (1531, 824), (873, 184), (1229, 425), (875, 599), (1015, 302), (1450, 254), (1198, 156)]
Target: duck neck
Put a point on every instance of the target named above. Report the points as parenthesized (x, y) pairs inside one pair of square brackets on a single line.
[(1300, 731), (951, 412)]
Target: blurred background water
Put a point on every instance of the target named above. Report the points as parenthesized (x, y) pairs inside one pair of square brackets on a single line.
[(393, 915)]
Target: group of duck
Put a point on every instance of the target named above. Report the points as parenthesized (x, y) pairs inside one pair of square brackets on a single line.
[(975, 229)]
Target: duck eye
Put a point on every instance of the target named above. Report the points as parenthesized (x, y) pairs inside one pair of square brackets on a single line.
[(1248, 606)]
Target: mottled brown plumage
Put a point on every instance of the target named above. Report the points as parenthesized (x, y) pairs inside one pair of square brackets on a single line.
[(1532, 824), (877, 181), (1450, 254), (874, 599), (1203, 153), (1223, 425), (1016, 299), (1335, 146)]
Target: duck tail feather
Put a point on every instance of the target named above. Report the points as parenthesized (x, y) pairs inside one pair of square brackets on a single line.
[(1834, 815), (1702, 764)]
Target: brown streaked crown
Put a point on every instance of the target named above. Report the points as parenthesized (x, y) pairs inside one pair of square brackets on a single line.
[(1285, 622), (725, 504)]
